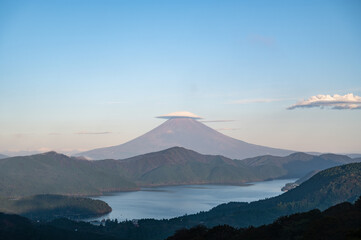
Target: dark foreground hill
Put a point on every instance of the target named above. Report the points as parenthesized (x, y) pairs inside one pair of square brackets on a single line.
[(15, 227), (325, 189), (342, 221), (339, 222), (52, 173)]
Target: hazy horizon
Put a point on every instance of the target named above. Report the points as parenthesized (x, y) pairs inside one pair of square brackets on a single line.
[(78, 75)]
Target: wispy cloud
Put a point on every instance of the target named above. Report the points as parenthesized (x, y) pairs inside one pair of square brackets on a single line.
[(258, 100), (218, 121), (348, 101), (91, 133)]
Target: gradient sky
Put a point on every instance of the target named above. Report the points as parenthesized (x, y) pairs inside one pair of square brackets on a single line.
[(76, 75)]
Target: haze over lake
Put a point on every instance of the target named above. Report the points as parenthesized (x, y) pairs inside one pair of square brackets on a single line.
[(173, 201)]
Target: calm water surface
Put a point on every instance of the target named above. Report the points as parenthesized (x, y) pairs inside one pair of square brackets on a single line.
[(174, 201)]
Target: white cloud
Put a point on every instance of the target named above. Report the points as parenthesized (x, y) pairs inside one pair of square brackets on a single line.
[(180, 115), (348, 101)]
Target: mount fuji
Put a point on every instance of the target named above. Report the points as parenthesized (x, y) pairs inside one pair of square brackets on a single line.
[(183, 130)]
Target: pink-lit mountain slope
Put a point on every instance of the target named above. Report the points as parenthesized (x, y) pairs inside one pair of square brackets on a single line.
[(188, 133)]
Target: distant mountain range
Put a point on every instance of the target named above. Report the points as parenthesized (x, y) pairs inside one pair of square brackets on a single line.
[(188, 133), (297, 165), (52, 173), (3, 156)]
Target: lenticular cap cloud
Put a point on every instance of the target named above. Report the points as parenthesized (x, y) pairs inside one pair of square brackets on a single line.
[(348, 101), (180, 115)]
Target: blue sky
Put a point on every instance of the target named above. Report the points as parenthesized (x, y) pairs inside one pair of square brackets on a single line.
[(76, 75)]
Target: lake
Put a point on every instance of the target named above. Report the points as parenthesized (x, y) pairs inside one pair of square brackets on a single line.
[(173, 201)]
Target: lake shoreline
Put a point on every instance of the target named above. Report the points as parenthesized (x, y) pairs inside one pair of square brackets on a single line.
[(142, 186), (165, 202)]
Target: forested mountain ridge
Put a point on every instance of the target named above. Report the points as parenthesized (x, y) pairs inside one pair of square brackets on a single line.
[(52, 173), (176, 166), (295, 184), (298, 164)]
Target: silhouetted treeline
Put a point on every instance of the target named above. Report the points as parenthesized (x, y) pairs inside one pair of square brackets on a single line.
[(342, 221)]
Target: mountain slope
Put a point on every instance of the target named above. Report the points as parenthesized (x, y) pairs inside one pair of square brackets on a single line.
[(3, 156), (295, 184), (188, 133), (298, 164), (52, 173), (176, 166)]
